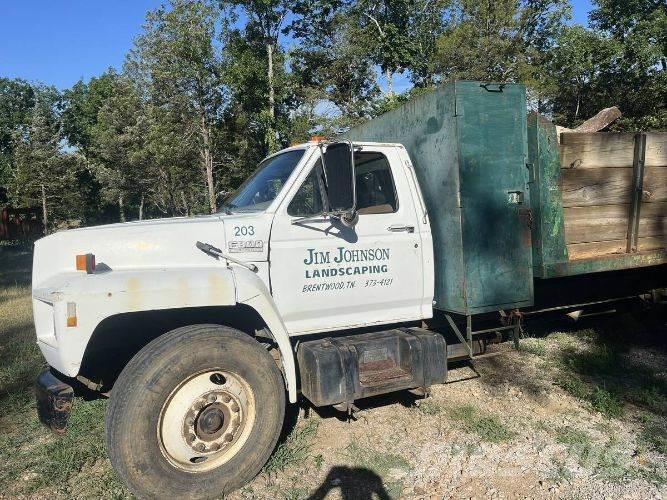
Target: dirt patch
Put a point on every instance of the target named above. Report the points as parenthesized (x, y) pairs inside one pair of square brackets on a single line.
[(502, 428)]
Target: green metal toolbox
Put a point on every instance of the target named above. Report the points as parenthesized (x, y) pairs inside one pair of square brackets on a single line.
[(468, 144)]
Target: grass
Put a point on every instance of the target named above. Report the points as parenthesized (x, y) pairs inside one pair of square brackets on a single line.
[(33, 460), (535, 346), (429, 407), (579, 443), (381, 463), (606, 402), (487, 427), (295, 450), (654, 434), (605, 375)]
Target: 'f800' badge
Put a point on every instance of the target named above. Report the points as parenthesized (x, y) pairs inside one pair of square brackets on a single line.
[(239, 246)]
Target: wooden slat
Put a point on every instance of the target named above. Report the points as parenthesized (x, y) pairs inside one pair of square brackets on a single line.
[(597, 186), (605, 149), (598, 149), (655, 184), (586, 250), (653, 219), (603, 223), (656, 149), (610, 222)]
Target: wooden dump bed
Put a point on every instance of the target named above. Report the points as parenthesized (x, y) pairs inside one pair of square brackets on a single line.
[(603, 186), (599, 200)]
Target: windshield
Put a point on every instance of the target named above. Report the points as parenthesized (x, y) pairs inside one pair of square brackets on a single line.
[(263, 186)]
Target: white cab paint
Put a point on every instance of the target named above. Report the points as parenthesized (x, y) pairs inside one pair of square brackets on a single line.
[(155, 265)]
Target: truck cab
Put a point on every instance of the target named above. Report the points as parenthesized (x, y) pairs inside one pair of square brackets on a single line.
[(324, 237), (320, 266)]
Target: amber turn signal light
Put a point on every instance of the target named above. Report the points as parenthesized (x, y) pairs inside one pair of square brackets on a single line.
[(71, 314), (85, 262)]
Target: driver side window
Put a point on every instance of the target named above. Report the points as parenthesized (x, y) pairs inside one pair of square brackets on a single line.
[(308, 199), (376, 193)]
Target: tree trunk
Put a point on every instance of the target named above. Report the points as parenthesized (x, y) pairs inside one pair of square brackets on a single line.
[(271, 133), (141, 207), (186, 207), (45, 215), (121, 208), (207, 163), (390, 82)]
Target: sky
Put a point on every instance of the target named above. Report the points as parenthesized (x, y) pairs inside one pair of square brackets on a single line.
[(58, 42)]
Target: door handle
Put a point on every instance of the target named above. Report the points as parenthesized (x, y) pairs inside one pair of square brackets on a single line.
[(397, 228)]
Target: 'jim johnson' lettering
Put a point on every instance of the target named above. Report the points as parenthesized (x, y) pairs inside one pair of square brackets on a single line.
[(343, 255)]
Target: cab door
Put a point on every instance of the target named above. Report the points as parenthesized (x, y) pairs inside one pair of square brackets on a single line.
[(325, 275)]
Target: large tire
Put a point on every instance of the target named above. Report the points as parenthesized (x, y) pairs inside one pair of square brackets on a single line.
[(149, 420)]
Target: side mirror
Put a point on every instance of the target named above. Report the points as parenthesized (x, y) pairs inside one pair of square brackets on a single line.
[(339, 175)]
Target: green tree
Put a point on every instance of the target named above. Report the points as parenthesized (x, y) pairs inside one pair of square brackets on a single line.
[(177, 61), (502, 40), (82, 104), (37, 178), (619, 62), (117, 147), (330, 66), (17, 99), (265, 22)]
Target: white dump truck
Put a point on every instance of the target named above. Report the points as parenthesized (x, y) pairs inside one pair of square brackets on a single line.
[(330, 275)]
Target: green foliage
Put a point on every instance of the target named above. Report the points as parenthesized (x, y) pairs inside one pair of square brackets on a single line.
[(534, 346), (295, 450), (606, 403), (210, 87), (572, 384), (620, 61), (487, 427)]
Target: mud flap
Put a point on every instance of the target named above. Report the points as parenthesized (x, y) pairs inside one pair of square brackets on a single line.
[(54, 401)]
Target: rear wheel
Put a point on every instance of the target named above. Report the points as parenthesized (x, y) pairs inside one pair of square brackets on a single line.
[(195, 413)]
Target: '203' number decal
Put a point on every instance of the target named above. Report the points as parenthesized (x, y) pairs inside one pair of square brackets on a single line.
[(244, 230)]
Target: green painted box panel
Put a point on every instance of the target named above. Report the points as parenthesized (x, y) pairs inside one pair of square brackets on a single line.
[(546, 198), (467, 141), (491, 122)]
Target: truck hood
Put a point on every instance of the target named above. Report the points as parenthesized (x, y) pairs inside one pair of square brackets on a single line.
[(160, 243)]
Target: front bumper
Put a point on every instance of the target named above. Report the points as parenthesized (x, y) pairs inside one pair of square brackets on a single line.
[(54, 401)]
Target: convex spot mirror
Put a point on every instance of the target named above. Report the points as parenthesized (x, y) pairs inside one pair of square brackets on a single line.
[(339, 176)]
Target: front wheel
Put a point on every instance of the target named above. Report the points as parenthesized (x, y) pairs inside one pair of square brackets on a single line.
[(196, 413)]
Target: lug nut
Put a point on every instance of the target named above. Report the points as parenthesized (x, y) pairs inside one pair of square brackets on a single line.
[(201, 447), (215, 447), (211, 398), (191, 438), (226, 399), (229, 438), (234, 407)]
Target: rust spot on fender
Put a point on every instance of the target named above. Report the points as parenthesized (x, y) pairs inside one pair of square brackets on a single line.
[(183, 292), (218, 288), (134, 294), (143, 246)]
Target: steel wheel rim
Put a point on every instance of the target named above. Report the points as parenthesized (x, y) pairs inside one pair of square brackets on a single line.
[(206, 420)]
